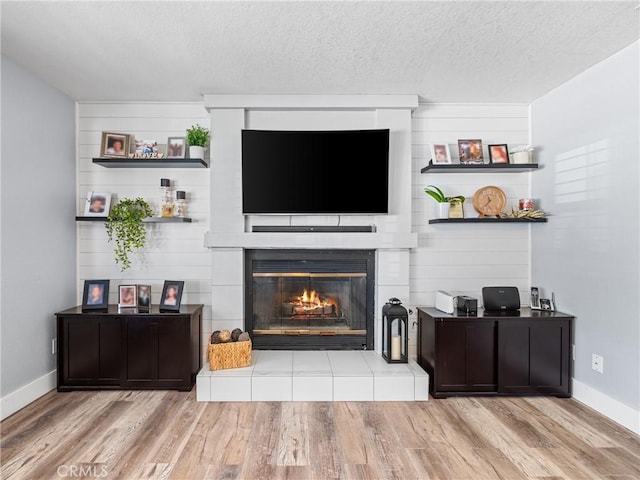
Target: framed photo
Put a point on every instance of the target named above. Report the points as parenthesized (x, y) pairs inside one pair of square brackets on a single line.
[(97, 204), (498, 153), (115, 144), (470, 151), (176, 147), (128, 296), (545, 304), (440, 154), (171, 295), (95, 295), (144, 147), (144, 297), (535, 298)]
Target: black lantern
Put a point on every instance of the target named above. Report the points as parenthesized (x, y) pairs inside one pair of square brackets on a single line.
[(395, 338)]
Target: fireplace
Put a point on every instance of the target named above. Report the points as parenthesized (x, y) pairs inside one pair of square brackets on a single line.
[(310, 299)]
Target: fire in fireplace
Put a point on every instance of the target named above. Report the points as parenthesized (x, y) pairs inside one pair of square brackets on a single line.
[(310, 299)]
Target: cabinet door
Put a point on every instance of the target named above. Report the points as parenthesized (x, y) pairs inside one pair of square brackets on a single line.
[(142, 350), (173, 349), (157, 352), (534, 356), (465, 356), (90, 351)]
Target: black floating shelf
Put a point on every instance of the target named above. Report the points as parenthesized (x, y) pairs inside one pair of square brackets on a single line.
[(146, 220), (484, 167), (151, 162), (488, 220)]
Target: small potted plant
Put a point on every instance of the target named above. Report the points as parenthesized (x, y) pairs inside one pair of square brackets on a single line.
[(521, 154), (197, 138), (124, 226), (448, 207)]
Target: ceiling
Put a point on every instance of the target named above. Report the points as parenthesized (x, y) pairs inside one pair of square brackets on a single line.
[(453, 51)]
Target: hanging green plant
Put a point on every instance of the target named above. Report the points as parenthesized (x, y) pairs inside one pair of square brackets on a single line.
[(124, 226)]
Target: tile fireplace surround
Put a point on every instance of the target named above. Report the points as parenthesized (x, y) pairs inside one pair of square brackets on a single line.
[(331, 375)]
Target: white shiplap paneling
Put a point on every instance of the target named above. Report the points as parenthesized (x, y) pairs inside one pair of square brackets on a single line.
[(462, 258), (173, 251)]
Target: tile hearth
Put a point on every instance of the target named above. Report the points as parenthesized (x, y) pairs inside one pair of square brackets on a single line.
[(327, 375)]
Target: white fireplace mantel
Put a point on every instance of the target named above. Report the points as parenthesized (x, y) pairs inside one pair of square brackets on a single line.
[(352, 240)]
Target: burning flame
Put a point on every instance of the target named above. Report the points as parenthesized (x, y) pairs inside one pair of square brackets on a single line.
[(310, 301)]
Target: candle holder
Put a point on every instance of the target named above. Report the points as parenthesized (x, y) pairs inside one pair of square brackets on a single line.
[(395, 339)]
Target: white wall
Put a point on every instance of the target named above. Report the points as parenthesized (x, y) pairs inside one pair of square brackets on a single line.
[(459, 258), (174, 251), (589, 254), (38, 230)]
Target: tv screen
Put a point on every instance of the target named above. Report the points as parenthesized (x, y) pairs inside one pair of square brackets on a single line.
[(315, 172)]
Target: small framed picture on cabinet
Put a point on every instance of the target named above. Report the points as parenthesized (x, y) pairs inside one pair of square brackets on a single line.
[(95, 295), (171, 295), (128, 296), (144, 297)]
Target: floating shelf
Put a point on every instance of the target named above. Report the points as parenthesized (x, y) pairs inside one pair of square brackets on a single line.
[(488, 220), (484, 167), (146, 220), (151, 162)]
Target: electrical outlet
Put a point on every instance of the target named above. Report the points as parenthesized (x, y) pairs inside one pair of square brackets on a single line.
[(597, 363), (53, 346)]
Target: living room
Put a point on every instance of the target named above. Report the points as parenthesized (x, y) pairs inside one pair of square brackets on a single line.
[(579, 113)]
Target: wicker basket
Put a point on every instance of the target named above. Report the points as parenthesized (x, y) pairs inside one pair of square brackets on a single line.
[(229, 355)]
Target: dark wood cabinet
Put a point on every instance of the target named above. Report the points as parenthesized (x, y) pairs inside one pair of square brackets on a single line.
[(526, 353), (112, 349)]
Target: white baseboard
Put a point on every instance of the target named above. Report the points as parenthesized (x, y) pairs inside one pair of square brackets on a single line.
[(607, 406), (20, 398)]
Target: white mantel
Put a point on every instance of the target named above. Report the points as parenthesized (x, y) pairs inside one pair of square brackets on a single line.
[(231, 231)]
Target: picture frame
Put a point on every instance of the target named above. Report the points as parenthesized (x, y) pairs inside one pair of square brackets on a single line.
[(144, 297), (146, 147), (535, 298), (440, 154), (115, 144), (545, 304), (95, 295), (470, 151), (176, 147), (127, 296), (171, 295), (98, 204), (499, 153)]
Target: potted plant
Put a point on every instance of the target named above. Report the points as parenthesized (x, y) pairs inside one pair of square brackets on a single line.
[(445, 203), (521, 154), (124, 226), (197, 138)]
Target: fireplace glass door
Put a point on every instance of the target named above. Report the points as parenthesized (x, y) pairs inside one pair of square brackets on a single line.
[(310, 303)]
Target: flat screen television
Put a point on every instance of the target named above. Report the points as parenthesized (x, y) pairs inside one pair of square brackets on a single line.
[(334, 172)]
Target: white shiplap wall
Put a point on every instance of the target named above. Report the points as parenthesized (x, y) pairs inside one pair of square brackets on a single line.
[(459, 258), (173, 251)]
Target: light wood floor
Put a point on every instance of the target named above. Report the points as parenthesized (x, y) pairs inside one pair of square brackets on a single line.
[(140, 435)]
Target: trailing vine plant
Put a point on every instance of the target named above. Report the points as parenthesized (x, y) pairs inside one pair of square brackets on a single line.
[(124, 226)]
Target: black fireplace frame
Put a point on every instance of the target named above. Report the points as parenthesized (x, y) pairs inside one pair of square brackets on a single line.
[(311, 342)]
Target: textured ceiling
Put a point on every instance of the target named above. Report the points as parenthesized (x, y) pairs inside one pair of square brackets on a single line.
[(507, 51)]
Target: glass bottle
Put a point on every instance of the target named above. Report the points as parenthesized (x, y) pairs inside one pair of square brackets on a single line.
[(166, 203), (181, 203)]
